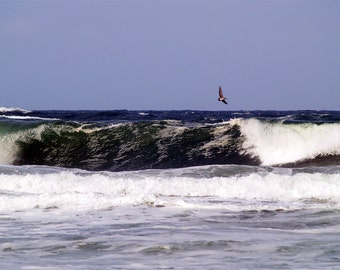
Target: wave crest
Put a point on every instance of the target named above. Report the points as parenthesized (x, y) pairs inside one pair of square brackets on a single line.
[(168, 144), (6, 109), (279, 143)]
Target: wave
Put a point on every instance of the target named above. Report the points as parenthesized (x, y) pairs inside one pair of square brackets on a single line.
[(126, 146), (277, 143), (20, 117), (168, 144), (195, 187), (5, 110)]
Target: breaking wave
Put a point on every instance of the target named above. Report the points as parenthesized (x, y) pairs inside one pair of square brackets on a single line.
[(279, 143), (18, 110), (168, 144)]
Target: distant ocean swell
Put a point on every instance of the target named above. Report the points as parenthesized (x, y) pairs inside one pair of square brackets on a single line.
[(162, 144)]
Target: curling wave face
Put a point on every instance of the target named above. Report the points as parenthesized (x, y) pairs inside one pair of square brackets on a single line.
[(160, 144), (125, 146)]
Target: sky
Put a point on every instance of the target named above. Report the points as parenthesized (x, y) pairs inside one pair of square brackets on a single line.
[(170, 55)]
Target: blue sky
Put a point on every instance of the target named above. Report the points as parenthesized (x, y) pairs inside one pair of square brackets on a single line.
[(169, 55)]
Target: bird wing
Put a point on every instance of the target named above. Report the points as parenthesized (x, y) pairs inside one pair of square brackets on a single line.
[(224, 101), (220, 92)]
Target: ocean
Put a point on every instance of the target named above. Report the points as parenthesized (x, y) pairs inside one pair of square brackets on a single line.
[(188, 189)]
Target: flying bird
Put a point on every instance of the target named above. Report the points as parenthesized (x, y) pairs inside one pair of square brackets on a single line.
[(222, 97)]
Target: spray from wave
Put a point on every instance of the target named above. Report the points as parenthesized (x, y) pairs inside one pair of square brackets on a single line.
[(278, 143)]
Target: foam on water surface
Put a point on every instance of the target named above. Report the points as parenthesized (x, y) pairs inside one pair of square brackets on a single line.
[(221, 188)]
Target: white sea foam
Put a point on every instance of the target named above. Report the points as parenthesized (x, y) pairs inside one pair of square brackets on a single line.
[(71, 190), (220, 139), (5, 109), (19, 117), (277, 143)]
